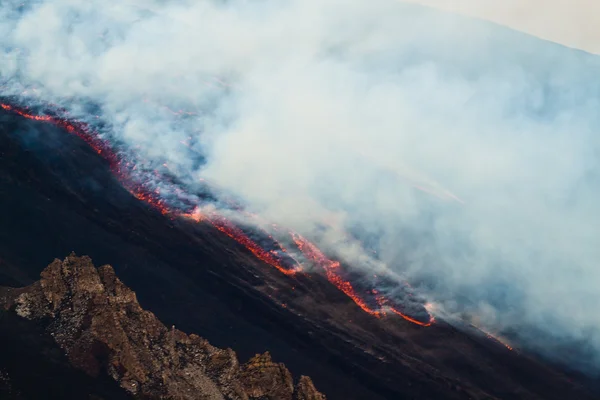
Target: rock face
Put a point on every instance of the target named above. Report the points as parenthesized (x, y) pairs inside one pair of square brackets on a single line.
[(264, 379), (99, 324)]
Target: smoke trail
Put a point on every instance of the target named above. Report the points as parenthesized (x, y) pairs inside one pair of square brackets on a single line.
[(464, 155)]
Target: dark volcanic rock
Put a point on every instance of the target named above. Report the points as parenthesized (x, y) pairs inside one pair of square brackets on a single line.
[(99, 324), (6, 388)]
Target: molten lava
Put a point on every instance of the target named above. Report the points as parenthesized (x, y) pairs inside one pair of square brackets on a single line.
[(333, 274), (385, 303), (331, 268), (494, 338), (236, 234), (124, 170), (77, 129), (119, 168)]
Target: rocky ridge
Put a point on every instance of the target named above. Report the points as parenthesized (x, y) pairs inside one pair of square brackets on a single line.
[(99, 324)]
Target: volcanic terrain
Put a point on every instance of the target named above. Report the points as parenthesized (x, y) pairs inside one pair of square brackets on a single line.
[(60, 194)]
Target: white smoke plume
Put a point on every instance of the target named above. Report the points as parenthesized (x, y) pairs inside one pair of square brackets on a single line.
[(345, 113)]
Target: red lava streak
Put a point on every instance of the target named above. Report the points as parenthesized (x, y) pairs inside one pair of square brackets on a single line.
[(77, 129), (494, 338), (236, 234), (83, 132), (384, 302), (151, 200), (123, 170), (332, 272), (331, 268)]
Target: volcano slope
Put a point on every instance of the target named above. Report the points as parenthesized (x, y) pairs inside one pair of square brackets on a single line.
[(58, 195)]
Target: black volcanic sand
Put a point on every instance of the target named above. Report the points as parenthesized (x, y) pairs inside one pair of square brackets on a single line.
[(58, 196)]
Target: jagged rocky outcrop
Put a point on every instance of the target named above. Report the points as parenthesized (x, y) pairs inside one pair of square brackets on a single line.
[(264, 379), (99, 324)]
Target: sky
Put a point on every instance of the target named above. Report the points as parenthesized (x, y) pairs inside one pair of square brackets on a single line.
[(574, 23), (464, 153)]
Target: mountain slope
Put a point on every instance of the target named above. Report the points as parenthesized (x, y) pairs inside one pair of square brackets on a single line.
[(60, 196)]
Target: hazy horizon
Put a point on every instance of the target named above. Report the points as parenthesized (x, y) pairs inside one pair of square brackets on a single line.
[(573, 23)]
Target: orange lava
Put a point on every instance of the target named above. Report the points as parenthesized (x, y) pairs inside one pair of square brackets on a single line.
[(310, 251), (414, 321), (236, 234), (383, 302), (331, 268), (494, 338), (348, 289), (148, 197), (73, 128), (331, 271), (157, 203), (102, 148)]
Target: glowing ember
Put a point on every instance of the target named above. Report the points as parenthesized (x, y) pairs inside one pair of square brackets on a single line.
[(157, 203), (195, 216), (494, 338)]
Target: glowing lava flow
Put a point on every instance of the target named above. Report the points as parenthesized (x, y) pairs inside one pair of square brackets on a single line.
[(152, 198), (384, 302), (123, 171), (332, 272), (103, 149), (236, 234), (74, 128), (494, 338)]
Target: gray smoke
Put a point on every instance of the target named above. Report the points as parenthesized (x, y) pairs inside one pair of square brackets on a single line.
[(337, 117)]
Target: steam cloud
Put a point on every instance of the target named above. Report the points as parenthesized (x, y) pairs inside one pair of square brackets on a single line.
[(332, 112)]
